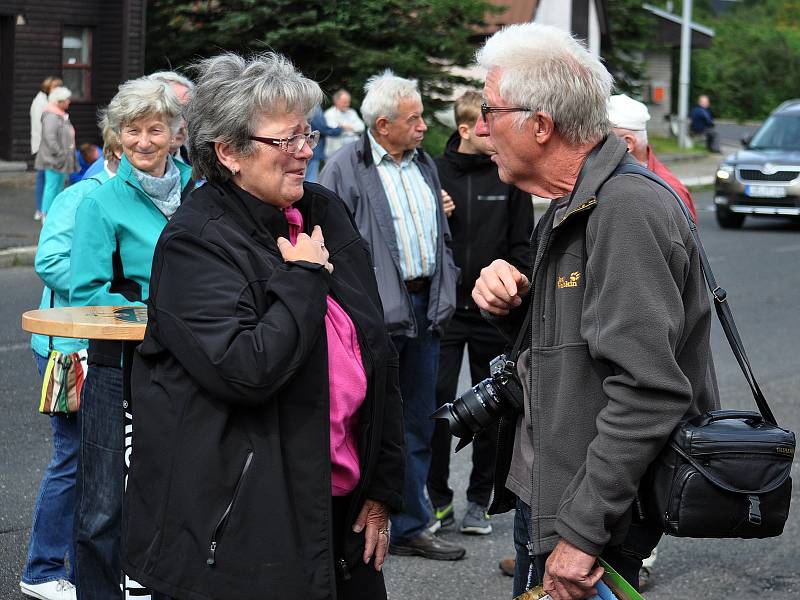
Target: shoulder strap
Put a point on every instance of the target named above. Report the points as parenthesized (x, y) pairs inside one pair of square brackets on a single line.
[(720, 295), (52, 304)]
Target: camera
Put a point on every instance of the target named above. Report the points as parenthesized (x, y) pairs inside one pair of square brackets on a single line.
[(479, 406)]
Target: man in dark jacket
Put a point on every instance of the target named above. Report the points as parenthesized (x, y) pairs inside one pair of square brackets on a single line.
[(490, 219), (620, 322), (703, 123), (392, 188)]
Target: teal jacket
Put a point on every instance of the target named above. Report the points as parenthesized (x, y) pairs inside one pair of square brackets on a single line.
[(53, 257), (116, 230)]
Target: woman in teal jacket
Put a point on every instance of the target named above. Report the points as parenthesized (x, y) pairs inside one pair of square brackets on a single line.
[(116, 229), (46, 573)]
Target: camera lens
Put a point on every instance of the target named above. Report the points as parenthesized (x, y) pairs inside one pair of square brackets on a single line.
[(471, 412)]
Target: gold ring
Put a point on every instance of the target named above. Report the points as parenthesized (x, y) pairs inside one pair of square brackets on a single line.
[(384, 531)]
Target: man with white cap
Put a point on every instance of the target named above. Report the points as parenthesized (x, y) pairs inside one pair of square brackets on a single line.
[(629, 119)]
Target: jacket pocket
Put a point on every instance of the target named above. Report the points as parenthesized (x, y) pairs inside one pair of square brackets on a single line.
[(219, 528)]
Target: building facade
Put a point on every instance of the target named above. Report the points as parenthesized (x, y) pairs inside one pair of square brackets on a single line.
[(93, 45)]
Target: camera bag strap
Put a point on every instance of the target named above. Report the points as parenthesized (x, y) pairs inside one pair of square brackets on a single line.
[(721, 304)]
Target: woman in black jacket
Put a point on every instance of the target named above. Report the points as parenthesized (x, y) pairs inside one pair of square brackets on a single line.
[(268, 447)]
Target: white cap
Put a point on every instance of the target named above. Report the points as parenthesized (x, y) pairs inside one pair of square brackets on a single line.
[(626, 113)]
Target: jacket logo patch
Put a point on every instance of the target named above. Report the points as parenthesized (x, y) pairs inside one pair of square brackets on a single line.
[(785, 451), (569, 282)]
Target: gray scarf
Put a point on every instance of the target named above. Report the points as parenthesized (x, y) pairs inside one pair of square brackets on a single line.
[(164, 192)]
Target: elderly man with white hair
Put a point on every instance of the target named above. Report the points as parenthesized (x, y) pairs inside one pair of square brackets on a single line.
[(392, 188), (614, 316), (629, 119)]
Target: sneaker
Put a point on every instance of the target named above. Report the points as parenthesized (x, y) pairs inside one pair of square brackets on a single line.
[(49, 590), (476, 521), (645, 578), (445, 515), (429, 546)]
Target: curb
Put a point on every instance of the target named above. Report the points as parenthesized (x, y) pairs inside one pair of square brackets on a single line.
[(22, 256), (691, 182)]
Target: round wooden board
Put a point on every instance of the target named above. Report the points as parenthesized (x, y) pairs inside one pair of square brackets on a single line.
[(90, 322)]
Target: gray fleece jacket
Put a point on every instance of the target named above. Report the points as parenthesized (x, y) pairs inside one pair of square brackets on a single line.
[(620, 352)]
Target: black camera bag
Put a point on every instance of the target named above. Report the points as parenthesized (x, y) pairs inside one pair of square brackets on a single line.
[(725, 473)]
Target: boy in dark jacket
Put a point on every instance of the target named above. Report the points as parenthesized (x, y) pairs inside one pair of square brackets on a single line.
[(489, 219)]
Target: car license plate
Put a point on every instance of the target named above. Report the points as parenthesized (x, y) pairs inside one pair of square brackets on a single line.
[(765, 191)]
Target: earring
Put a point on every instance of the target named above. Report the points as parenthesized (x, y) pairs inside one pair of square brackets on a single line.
[(234, 171)]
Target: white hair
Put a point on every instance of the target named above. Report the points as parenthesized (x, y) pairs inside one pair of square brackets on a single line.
[(640, 135), (547, 70), (143, 97), (383, 95), (58, 94), (172, 77)]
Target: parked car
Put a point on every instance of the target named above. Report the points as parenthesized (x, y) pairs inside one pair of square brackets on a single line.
[(764, 177)]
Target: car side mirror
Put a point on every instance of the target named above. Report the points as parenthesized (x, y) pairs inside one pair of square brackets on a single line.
[(746, 140)]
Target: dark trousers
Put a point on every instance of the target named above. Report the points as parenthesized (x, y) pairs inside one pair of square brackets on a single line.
[(419, 360), (626, 559), (98, 517), (483, 342), (363, 582)]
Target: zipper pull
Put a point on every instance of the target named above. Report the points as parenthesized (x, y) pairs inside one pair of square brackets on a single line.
[(211, 560), (344, 569)]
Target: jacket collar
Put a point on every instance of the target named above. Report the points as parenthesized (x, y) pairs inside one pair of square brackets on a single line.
[(365, 152), (465, 163), (125, 173), (610, 152), (265, 222)]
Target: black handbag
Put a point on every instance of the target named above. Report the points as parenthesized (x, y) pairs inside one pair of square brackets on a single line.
[(725, 473)]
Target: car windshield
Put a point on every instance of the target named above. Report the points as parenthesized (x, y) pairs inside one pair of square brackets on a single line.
[(780, 132)]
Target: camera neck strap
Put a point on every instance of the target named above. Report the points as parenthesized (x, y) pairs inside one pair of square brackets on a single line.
[(721, 304)]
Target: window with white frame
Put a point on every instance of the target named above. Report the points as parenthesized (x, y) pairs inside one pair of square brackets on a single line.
[(76, 62)]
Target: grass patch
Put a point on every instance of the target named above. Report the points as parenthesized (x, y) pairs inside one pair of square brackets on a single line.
[(669, 145), (436, 138)]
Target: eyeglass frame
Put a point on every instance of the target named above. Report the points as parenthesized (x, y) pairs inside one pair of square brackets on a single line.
[(486, 109), (283, 143)]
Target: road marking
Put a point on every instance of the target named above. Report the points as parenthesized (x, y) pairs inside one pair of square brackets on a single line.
[(792, 248), (14, 347)]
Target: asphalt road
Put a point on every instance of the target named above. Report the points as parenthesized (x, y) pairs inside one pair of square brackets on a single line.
[(757, 265)]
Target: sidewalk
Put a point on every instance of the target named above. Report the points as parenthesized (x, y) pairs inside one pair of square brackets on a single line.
[(19, 233)]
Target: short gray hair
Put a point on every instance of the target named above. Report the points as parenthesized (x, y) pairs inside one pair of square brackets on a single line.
[(58, 94), (111, 141), (547, 70), (143, 97), (383, 95), (171, 77), (232, 96)]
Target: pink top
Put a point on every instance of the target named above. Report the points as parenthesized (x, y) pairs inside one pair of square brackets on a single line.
[(347, 380)]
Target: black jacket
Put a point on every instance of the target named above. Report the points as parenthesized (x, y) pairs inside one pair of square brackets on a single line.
[(491, 220), (229, 492)]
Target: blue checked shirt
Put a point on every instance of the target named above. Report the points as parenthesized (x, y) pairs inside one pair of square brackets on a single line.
[(413, 205)]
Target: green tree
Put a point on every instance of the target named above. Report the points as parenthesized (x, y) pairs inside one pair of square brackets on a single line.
[(754, 61), (630, 35), (339, 43)]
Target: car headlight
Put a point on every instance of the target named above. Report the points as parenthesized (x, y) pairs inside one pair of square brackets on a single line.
[(724, 172)]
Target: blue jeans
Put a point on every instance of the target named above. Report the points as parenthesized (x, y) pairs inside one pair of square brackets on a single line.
[(626, 558), (51, 540), (39, 189), (419, 365), (100, 486)]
